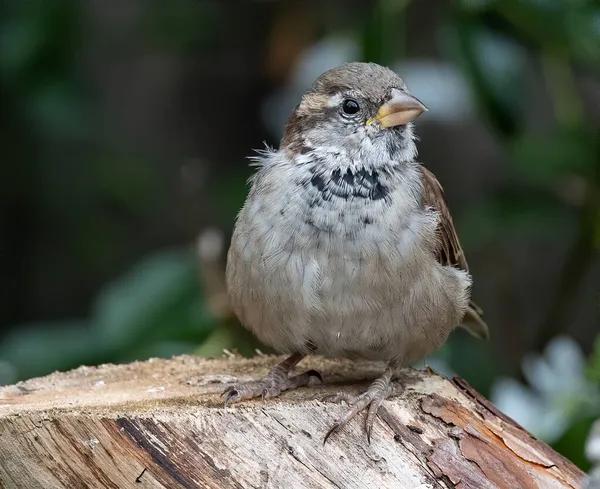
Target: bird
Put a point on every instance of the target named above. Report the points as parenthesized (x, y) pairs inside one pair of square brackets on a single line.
[(345, 246)]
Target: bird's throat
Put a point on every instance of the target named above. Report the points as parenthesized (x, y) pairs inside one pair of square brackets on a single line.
[(348, 184)]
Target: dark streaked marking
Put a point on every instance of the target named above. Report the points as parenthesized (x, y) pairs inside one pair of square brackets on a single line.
[(144, 431), (326, 228), (68, 474), (370, 178), (349, 177), (394, 145), (378, 192), (319, 182), (139, 477), (138, 430), (360, 184)]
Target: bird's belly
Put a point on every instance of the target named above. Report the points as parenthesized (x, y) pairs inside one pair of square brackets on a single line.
[(376, 294), (366, 309)]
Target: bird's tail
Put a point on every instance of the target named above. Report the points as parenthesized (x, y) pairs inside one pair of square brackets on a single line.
[(473, 322)]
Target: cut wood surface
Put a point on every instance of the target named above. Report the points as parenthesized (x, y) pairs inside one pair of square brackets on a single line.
[(162, 424)]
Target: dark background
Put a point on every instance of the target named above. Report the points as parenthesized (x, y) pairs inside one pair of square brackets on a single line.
[(124, 132)]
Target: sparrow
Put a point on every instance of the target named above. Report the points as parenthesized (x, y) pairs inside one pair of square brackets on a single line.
[(345, 246)]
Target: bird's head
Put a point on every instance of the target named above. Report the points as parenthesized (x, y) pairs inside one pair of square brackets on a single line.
[(358, 112)]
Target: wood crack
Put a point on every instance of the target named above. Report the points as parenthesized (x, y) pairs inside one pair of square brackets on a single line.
[(67, 433), (411, 441)]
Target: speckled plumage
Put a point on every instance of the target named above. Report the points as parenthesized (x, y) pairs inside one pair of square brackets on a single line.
[(336, 251), (353, 277)]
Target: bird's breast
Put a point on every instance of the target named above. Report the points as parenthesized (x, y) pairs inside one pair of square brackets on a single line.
[(338, 271), (347, 184)]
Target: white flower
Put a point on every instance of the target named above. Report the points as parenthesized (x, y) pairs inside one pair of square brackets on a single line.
[(592, 450), (559, 391)]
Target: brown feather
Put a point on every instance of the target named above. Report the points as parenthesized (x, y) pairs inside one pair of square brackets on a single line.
[(448, 251)]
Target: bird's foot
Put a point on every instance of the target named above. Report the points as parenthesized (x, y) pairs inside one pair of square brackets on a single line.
[(275, 382), (380, 390)]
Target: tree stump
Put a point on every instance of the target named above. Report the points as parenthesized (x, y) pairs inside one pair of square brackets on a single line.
[(162, 424)]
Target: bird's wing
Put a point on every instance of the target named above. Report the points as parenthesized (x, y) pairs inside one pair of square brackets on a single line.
[(449, 252)]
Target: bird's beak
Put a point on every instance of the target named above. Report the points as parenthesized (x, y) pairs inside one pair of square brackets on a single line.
[(399, 110)]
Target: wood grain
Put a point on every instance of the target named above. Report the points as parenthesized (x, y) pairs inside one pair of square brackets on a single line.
[(162, 424)]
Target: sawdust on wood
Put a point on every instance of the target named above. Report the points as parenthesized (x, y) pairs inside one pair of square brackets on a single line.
[(162, 424)]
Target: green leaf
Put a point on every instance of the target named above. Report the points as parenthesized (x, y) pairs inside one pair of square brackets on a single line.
[(572, 443), (40, 348), (594, 366), (154, 310), (232, 336), (161, 349), (159, 298)]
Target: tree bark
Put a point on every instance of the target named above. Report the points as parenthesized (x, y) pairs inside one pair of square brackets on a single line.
[(162, 424)]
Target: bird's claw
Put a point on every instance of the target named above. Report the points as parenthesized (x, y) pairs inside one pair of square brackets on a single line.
[(373, 399), (369, 430), (344, 397), (339, 397), (371, 415), (272, 385), (315, 373), (331, 431), (230, 393)]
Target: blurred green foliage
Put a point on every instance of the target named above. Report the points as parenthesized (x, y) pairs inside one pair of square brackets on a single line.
[(594, 368), (157, 308), (572, 443), (38, 43)]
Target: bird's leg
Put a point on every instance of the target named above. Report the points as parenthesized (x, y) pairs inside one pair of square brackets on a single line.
[(275, 382), (379, 391)]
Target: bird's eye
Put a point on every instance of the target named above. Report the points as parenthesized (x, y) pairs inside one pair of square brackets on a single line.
[(350, 106)]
